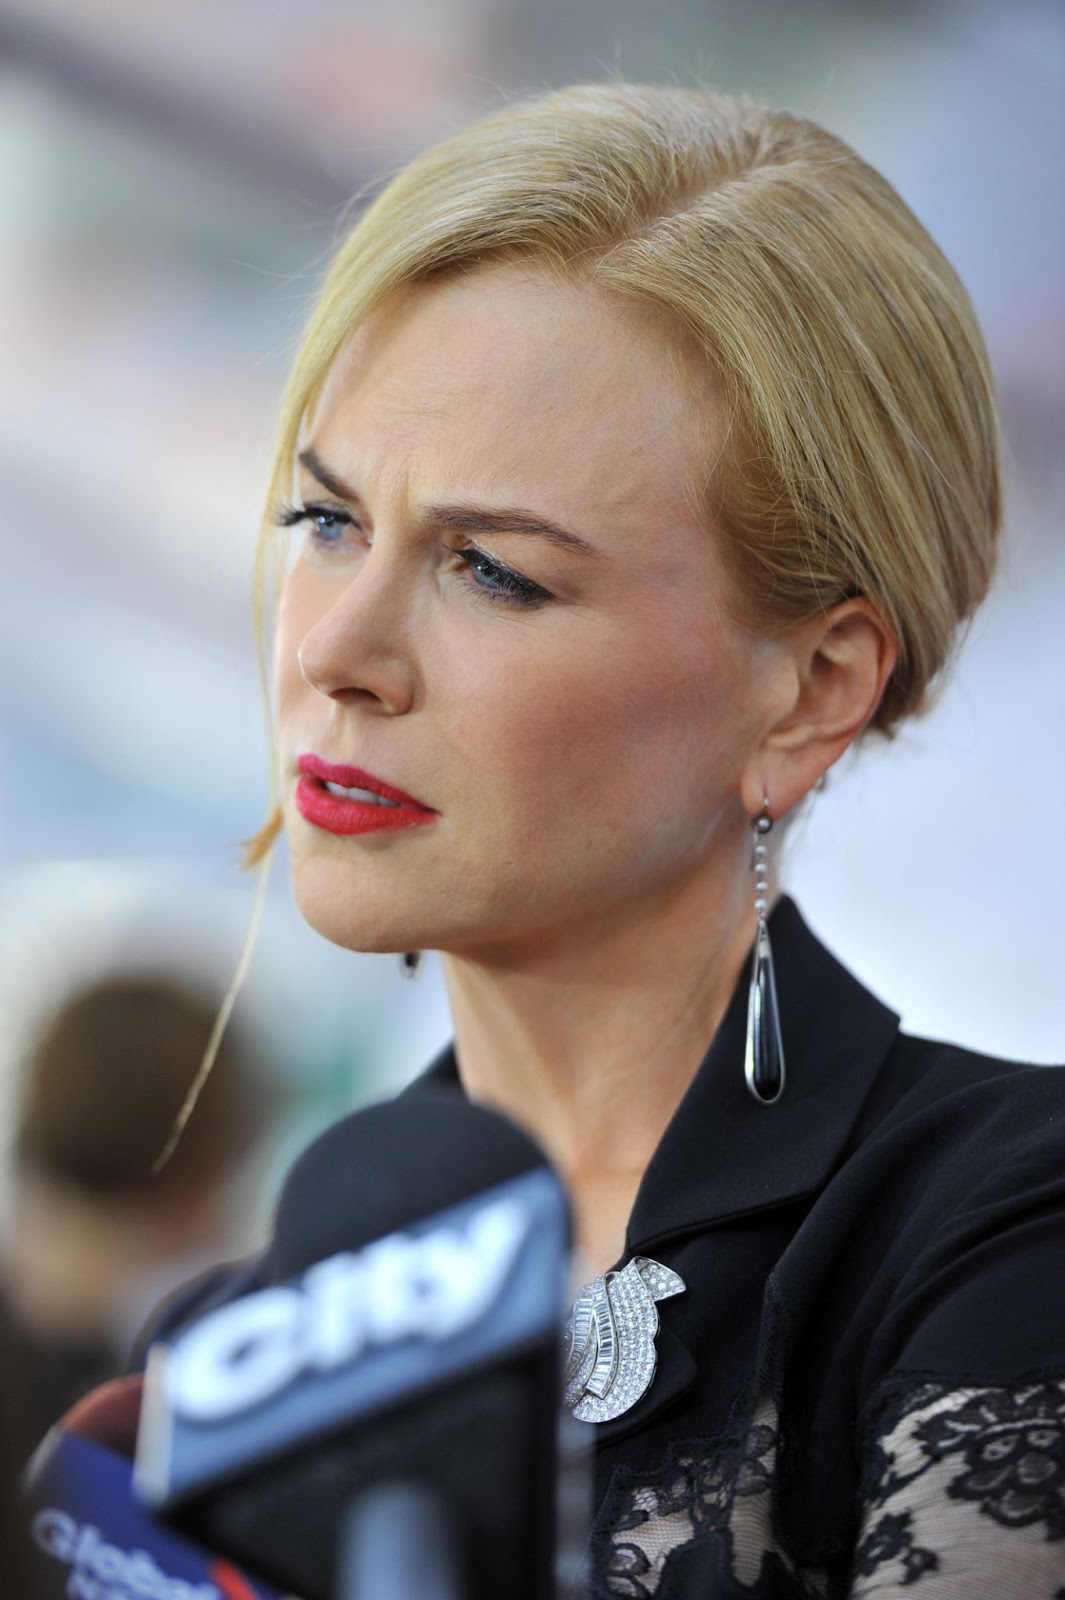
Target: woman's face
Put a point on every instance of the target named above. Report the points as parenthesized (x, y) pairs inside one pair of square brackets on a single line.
[(505, 607)]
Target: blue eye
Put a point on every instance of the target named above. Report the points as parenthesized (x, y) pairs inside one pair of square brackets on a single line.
[(498, 581), (327, 524)]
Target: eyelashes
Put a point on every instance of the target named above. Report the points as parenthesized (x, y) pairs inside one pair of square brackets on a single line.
[(319, 515), (490, 577), (493, 578)]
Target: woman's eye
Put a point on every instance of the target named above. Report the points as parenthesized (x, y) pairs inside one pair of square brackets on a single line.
[(326, 525), (498, 581)]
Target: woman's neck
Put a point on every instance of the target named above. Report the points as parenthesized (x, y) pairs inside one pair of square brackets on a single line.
[(592, 1047)]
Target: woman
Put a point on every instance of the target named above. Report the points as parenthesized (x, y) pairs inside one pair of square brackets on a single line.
[(645, 459)]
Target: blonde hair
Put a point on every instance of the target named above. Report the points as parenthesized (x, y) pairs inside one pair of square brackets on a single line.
[(861, 455)]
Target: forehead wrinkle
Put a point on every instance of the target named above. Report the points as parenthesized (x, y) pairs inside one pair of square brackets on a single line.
[(630, 492)]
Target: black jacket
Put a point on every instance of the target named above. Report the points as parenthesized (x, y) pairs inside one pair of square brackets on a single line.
[(862, 1388)]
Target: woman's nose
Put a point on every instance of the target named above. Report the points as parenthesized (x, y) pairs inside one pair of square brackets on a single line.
[(358, 649)]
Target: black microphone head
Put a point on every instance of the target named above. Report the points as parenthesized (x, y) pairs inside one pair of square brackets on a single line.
[(411, 1334), (380, 1169)]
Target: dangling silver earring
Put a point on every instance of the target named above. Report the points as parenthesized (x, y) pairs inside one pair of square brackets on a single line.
[(763, 1064), (409, 962)]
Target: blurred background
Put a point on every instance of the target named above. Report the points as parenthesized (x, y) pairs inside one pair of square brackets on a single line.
[(173, 174)]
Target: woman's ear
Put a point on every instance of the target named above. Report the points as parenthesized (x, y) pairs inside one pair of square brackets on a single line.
[(838, 663)]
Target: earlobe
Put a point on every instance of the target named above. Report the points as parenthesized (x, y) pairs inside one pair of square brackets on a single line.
[(841, 661)]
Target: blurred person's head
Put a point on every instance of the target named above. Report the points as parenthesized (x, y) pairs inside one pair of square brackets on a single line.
[(101, 1089)]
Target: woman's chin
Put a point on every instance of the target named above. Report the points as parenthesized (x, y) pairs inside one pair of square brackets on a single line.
[(349, 919), (352, 934)]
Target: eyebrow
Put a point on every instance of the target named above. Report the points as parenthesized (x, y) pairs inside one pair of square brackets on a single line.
[(466, 518), (326, 477)]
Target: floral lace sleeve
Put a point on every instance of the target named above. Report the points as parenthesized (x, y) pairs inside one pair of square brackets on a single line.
[(964, 1493)]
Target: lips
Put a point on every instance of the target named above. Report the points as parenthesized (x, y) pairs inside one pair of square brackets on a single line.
[(343, 799)]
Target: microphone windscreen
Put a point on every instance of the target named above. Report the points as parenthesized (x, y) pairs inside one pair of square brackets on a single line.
[(390, 1165), (91, 1539), (408, 1332)]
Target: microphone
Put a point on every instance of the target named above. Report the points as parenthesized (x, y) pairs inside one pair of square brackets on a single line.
[(91, 1538), (400, 1370)]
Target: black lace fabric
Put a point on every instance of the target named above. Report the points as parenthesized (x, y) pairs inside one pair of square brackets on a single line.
[(964, 1494), (963, 1498), (709, 1494)]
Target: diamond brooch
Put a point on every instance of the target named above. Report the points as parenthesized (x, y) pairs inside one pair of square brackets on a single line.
[(610, 1339)]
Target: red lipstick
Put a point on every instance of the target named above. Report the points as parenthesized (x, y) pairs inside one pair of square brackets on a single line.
[(347, 800)]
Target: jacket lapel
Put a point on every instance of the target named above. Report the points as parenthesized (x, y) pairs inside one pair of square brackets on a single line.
[(724, 1154)]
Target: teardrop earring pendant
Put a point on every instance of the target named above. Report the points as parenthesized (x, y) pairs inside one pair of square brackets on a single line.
[(763, 1065)]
